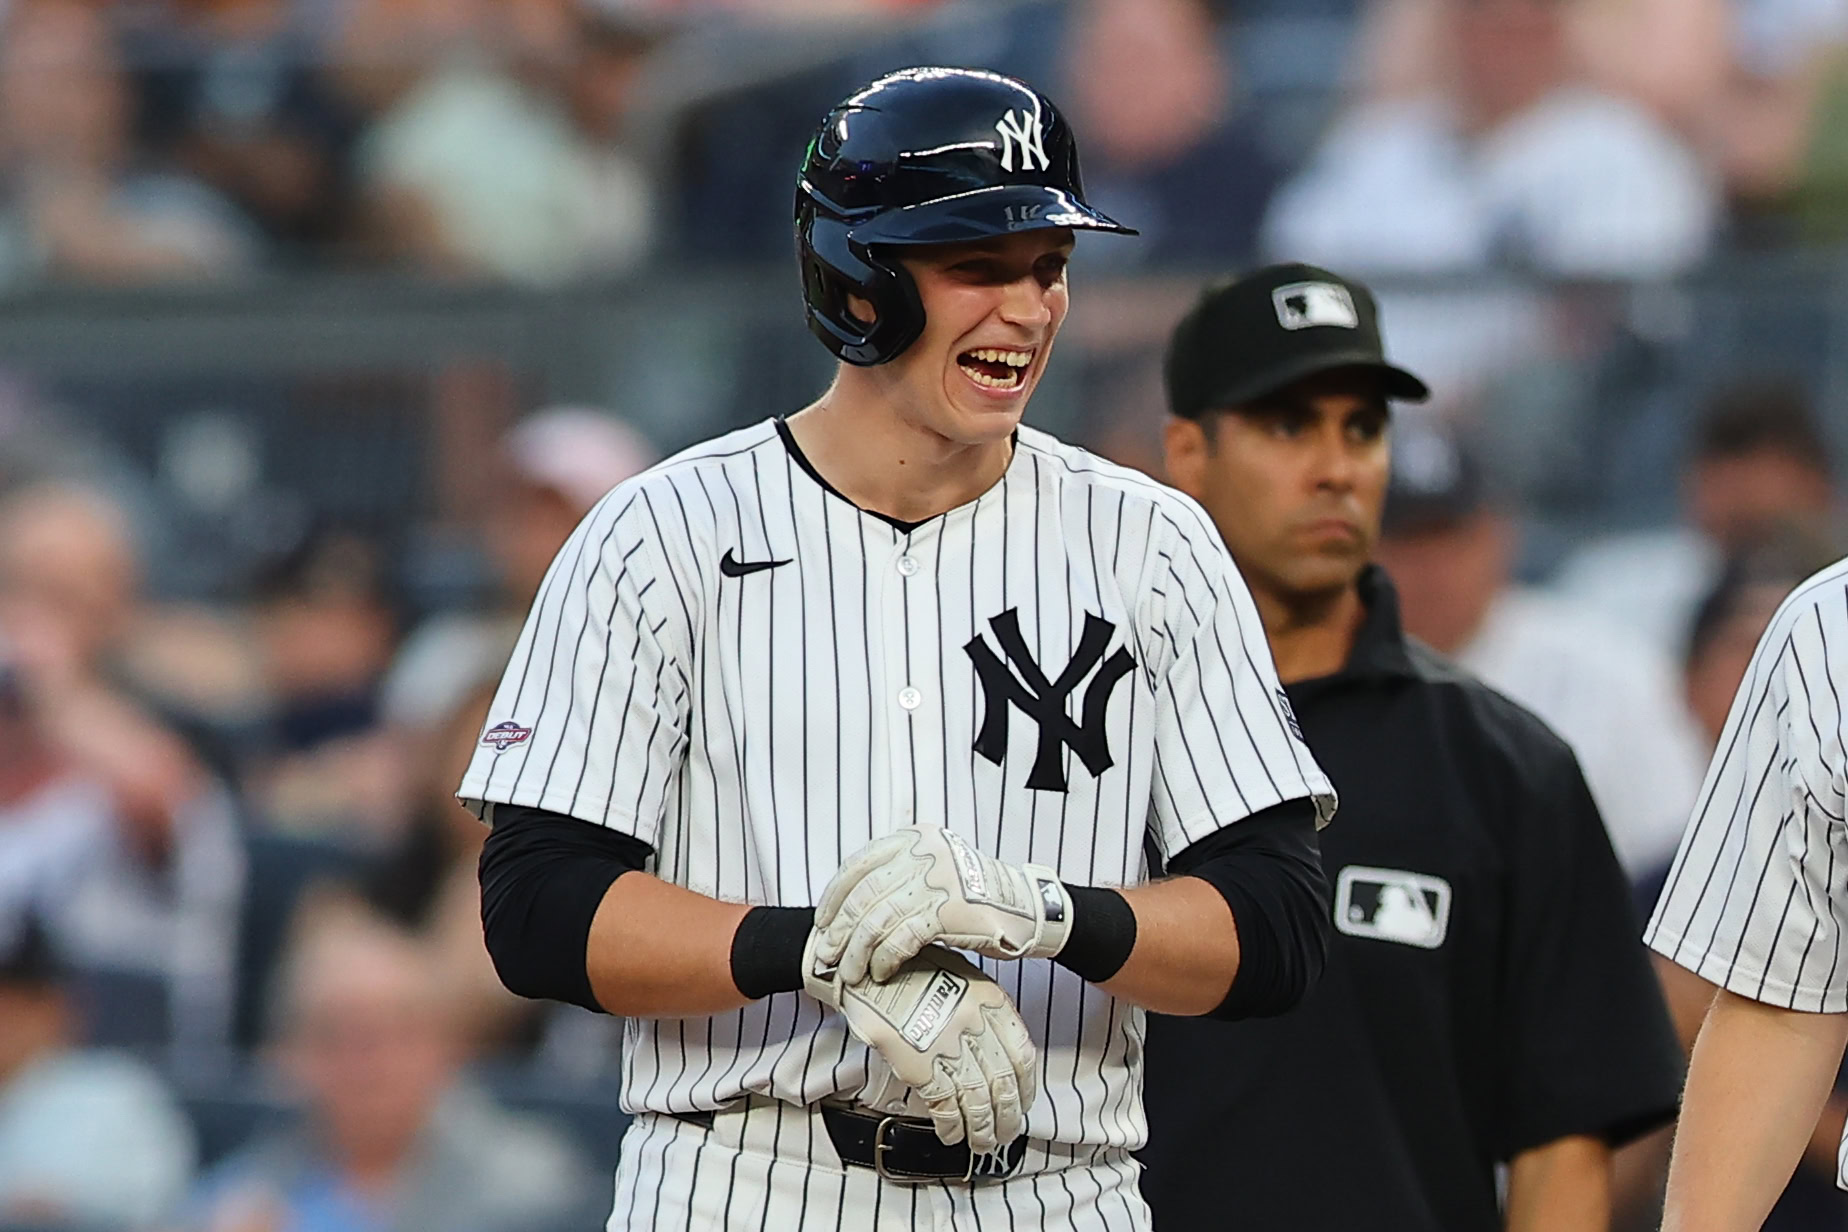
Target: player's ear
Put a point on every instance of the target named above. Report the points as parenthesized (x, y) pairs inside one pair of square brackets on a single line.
[(1185, 448), (862, 310)]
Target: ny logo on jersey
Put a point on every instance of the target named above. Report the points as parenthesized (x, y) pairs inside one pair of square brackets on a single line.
[(1022, 129), (1043, 700)]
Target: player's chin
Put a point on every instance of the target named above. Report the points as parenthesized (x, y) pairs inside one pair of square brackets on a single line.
[(1324, 572)]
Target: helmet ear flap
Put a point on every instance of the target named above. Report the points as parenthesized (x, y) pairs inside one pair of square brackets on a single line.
[(835, 267)]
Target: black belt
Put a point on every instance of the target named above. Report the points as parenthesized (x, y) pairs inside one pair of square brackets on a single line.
[(902, 1149)]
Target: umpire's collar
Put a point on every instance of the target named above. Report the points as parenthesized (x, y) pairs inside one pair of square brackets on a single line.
[(1379, 652)]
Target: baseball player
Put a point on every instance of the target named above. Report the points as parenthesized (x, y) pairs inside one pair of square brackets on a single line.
[(806, 711), (1756, 903)]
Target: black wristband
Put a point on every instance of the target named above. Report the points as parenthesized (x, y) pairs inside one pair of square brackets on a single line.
[(1103, 934), (766, 951)]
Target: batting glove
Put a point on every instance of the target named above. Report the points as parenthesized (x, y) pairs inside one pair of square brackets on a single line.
[(926, 884), (947, 1031)]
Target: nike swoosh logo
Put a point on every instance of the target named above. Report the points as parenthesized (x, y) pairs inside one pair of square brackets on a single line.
[(731, 566)]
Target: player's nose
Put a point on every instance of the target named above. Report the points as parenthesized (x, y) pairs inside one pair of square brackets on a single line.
[(1334, 465), (1025, 301)]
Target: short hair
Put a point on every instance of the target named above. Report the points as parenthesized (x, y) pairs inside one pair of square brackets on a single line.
[(1781, 561), (333, 919), (1776, 417)]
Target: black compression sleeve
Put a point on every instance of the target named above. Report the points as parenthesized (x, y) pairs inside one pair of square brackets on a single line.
[(543, 876), (1268, 868)]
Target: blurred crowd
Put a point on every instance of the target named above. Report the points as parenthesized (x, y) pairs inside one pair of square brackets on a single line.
[(242, 985), (241, 967), (547, 140)]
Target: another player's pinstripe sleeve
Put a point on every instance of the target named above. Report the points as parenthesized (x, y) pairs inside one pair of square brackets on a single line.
[(1226, 742), (1757, 894), (590, 717)]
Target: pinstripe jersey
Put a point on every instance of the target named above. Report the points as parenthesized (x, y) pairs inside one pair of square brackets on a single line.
[(734, 664), (1757, 899)]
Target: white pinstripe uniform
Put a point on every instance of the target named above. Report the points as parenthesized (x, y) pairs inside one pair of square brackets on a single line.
[(1757, 899), (755, 724)]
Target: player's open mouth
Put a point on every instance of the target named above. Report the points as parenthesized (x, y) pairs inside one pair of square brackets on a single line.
[(1001, 368)]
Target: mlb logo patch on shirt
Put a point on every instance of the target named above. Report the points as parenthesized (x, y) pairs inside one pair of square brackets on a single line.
[(1390, 904)]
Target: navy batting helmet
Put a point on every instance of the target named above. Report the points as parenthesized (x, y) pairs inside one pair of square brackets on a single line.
[(924, 156)]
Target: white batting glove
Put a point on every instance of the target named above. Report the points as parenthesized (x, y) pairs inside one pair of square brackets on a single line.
[(950, 1033), (900, 893)]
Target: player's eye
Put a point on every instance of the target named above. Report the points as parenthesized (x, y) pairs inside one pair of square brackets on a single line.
[(1051, 271), (977, 269), (1286, 424), (1365, 429)]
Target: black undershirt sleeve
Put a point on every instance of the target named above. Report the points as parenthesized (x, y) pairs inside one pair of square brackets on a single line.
[(543, 876), (1268, 868)]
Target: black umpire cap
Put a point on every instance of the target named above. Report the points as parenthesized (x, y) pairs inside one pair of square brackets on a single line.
[(1254, 334)]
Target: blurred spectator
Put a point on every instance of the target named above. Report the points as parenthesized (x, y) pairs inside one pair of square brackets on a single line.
[(410, 884), (485, 166), (1672, 56), (1508, 162), (553, 466), (1731, 617), (328, 632), (1611, 697), (1151, 91), (69, 561), (152, 897), (808, 10), (77, 205), (1675, 57), (428, 883), (396, 1139), (87, 1139), (1758, 461), (612, 41), (232, 90)]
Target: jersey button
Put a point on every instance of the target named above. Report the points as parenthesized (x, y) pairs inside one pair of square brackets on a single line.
[(910, 698), (908, 565)]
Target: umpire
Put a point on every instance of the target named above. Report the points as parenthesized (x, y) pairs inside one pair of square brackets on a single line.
[(1486, 1000)]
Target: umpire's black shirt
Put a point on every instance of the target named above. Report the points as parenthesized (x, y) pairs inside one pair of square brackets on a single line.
[(1486, 991)]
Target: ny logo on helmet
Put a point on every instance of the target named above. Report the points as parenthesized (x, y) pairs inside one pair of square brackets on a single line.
[(1022, 129)]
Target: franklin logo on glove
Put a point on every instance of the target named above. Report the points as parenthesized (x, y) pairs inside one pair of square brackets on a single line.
[(934, 1010), (969, 866), (947, 1031)]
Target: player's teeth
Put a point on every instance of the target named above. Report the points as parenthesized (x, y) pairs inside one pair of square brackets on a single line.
[(982, 378)]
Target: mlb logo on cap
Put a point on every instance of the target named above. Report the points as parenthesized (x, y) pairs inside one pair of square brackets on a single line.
[(1303, 304), (1252, 335)]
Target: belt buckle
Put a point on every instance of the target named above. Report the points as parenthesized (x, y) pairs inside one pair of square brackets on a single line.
[(881, 1146)]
